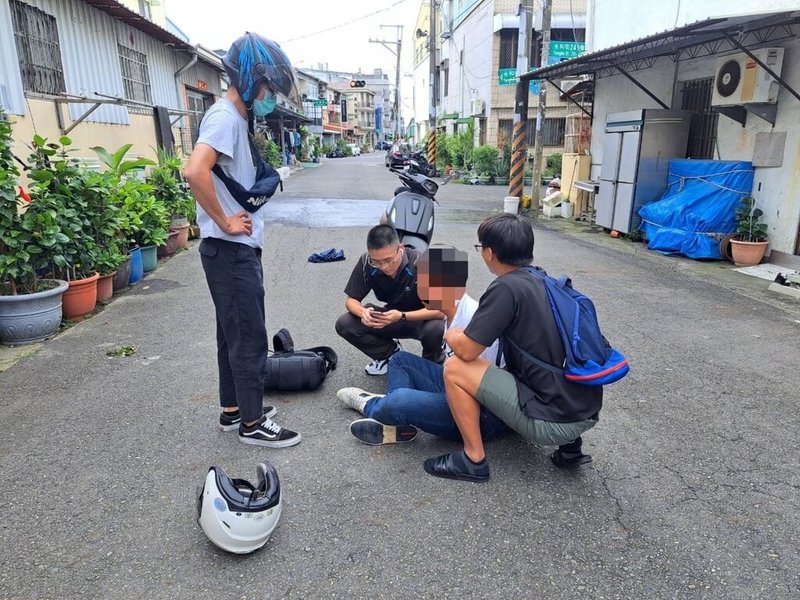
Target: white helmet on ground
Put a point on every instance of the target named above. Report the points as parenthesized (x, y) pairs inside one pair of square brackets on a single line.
[(235, 515)]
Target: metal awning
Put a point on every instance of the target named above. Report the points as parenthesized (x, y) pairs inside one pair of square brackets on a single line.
[(703, 38)]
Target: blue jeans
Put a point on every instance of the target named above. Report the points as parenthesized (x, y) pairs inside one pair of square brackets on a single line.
[(415, 396)]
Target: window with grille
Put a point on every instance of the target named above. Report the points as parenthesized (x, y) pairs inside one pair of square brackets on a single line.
[(135, 75), (508, 48), (446, 85), (553, 130), (36, 38), (703, 127)]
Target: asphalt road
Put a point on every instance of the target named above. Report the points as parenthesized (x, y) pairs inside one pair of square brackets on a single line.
[(693, 492)]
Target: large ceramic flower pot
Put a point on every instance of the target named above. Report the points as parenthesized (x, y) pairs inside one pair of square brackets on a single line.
[(105, 287), (123, 275), (183, 235), (171, 247), (28, 318), (747, 254), (149, 258), (137, 271), (81, 297)]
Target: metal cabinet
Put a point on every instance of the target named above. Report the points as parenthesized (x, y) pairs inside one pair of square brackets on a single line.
[(637, 147)]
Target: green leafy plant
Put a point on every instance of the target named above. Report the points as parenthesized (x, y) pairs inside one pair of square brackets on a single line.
[(504, 161), (485, 160), (144, 219), (59, 199), (22, 245), (270, 151), (342, 145), (443, 154), (168, 186), (748, 225)]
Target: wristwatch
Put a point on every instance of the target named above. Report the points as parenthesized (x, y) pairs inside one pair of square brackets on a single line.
[(402, 316)]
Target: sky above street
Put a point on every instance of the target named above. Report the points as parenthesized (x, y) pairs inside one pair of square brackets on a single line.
[(299, 27)]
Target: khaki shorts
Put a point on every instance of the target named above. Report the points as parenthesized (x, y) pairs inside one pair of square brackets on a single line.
[(498, 393)]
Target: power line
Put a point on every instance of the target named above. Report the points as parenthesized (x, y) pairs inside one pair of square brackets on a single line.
[(361, 18)]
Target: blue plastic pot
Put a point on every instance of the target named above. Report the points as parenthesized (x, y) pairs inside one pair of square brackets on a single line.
[(137, 269)]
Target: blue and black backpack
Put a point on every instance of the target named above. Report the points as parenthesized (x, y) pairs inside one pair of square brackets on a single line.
[(590, 359)]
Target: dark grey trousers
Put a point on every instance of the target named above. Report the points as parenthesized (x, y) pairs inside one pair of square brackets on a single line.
[(235, 279), (379, 343)]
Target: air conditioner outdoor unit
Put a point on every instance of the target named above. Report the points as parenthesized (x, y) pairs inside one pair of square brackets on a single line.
[(741, 80)]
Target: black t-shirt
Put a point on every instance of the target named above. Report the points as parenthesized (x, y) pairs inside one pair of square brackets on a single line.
[(515, 305), (399, 293)]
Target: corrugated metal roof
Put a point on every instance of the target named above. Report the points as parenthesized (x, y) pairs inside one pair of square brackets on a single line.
[(667, 43)]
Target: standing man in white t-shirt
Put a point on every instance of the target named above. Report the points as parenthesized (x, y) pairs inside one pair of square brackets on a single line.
[(231, 183), (415, 396)]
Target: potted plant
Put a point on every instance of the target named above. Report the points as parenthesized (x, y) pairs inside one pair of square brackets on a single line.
[(58, 186), (485, 162), (170, 189), (129, 191), (105, 219), (30, 305), (154, 229), (503, 165), (750, 242)]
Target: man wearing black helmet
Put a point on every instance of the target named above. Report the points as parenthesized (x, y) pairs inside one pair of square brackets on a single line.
[(231, 184)]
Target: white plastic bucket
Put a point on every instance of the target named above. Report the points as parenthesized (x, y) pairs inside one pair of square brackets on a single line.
[(511, 204), (566, 209)]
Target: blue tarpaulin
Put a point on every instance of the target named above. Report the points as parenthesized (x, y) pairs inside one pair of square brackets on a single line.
[(698, 207)]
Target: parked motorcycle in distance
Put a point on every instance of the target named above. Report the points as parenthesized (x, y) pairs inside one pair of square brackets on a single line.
[(411, 212)]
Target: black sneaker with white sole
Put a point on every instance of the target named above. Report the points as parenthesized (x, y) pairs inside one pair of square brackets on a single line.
[(379, 366), (268, 433), (375, 433), (230, 421)]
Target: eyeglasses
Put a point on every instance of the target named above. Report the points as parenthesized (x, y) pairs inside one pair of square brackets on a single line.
[(383, 263), (478, 248)]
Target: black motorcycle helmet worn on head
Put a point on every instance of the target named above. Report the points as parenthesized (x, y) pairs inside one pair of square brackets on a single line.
[(253, 60)]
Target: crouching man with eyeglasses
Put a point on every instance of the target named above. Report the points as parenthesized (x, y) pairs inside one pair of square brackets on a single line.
[(389, 271)]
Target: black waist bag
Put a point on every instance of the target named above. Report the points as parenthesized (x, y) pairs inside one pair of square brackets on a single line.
[(291, 370)]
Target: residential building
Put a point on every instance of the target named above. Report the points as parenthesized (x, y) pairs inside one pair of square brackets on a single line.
[(360, 110), (313, 93), (420, 98), (101, 73), (378, 83), (678, 55), (476, 68)]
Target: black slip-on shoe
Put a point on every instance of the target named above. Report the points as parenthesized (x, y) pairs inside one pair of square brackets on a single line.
[(456, 465), (563, 462), (375, 433)]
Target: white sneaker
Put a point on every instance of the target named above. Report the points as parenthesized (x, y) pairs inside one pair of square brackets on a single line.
[(356, 398), (379, 367)]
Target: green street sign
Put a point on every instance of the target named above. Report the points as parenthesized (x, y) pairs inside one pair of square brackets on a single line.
[(567, 49), (320, 102), (506, 77)]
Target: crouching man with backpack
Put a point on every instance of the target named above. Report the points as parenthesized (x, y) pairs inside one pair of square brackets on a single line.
[(535, 401)]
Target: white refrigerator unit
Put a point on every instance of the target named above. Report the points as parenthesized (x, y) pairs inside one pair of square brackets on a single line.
[(637, 147)]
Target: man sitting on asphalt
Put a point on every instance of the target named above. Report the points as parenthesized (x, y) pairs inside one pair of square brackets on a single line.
[(535, 402), (389, 270), (415, 395)]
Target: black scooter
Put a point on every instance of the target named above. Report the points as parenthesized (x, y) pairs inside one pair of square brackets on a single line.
[(410, 212)]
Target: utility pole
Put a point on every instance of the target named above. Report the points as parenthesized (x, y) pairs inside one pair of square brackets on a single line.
[(431, 154), (519, 139), (396, 52), (537, 151)]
